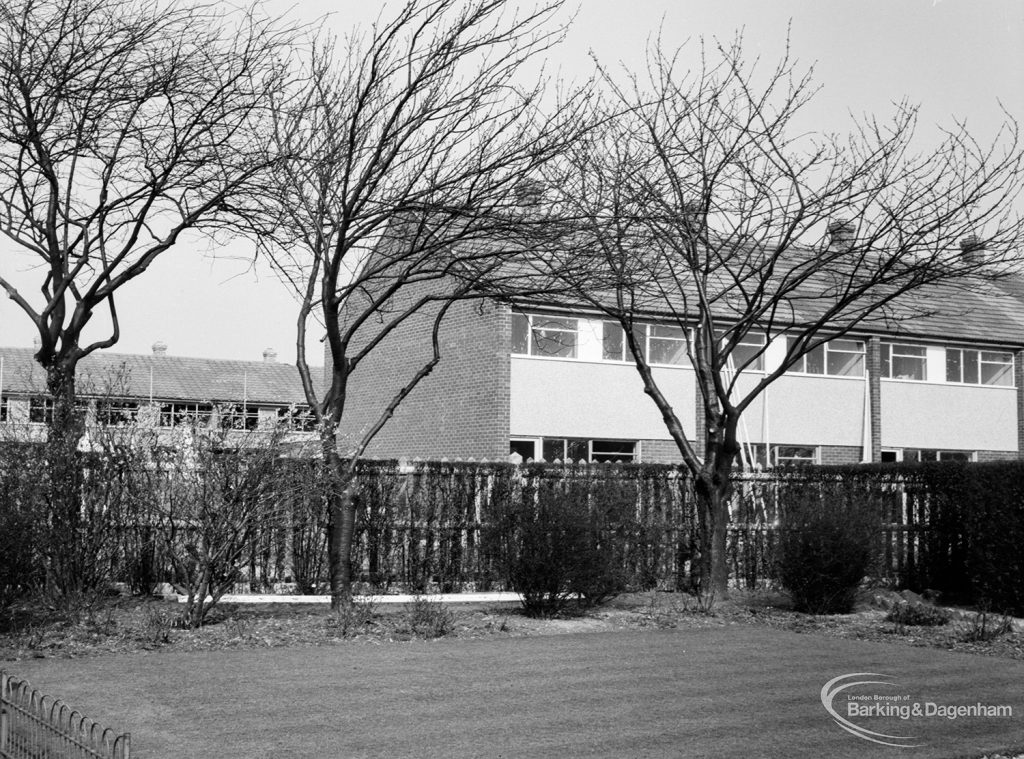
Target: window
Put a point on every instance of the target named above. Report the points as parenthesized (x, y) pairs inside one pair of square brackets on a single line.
[(837, 358), (179, 414), (117, 413), (536, 335), (916, 455), (40, 410), (565, 449), (613, 342), (747, 354), (573, 449), (973, 367), (4, 409), (794, 455), (612, 450), (906, 362), (666, 344), (526, 449), (663, 344), (238, 416), (298, 418)]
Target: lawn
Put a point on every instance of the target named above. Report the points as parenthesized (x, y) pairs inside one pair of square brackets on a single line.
[(744, 691)]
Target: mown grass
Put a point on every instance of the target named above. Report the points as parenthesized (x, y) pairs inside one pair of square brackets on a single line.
[(744, 691)]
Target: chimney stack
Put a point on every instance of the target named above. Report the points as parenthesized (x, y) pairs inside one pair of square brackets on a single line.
[(159, 348), (269, 356), (841, 234), (972, 250), (529, 193)]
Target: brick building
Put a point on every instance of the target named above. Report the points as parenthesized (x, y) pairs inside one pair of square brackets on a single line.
[(547, 379)]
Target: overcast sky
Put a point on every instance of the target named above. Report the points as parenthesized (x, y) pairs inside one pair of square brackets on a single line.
[(957, 58)]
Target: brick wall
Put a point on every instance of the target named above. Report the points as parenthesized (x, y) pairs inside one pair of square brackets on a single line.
[(840, 454), (997, 455), (874, 367), (460, 410), (1018, 375), (660, 452)]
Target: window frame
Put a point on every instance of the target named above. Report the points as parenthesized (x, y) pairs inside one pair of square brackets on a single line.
[(750, 340), (5, 409), (117, 413), (531, 336), (887, 354), (793, 460), (238, 417), (979, 362), (173, 414), (800, 366)]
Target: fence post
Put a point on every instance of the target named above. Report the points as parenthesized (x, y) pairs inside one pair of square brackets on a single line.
[(4, 727)]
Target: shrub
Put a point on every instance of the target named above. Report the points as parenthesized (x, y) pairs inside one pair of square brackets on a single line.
[(827, 545), (917, 614), (428, 619), (353, 617), (558, 547)]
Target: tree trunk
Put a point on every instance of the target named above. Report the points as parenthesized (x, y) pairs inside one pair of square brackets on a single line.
[(341, 519), (65, 569)]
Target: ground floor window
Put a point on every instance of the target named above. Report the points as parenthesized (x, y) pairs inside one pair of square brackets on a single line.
[(574, 449), (238, 416), (117, 413), (179, 414), (794, 455), (4, 409), (926, 454)]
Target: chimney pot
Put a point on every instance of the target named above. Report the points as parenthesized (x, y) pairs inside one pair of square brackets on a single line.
[(529, 193), (269, 356), (159, 348), (842, 233), (972, 249)]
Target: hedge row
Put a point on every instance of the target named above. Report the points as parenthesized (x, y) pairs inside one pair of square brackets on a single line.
[(949, 527)]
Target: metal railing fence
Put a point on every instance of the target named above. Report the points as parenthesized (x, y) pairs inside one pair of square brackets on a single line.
[(37, 726)]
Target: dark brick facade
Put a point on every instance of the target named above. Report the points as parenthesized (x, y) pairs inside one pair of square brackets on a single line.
[(840, 454), (874, 361), (460, 411), (1018, 377)]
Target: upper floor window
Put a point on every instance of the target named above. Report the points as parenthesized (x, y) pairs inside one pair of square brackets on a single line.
[(613, 342), (907, 362), (539, 335), (748, 353), (838, 358), (666, 344), (976, 367)]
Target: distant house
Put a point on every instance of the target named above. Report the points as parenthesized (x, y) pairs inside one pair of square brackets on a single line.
[(547, 379), (159, 392)]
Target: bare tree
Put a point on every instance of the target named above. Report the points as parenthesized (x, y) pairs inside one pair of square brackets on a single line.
[(703, 200), (409, 147), (123, 123)]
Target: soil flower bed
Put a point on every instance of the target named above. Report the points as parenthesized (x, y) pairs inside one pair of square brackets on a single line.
[(138, 625)]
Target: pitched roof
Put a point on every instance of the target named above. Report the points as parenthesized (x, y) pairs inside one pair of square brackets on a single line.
[(971, 309), (128, 375)]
